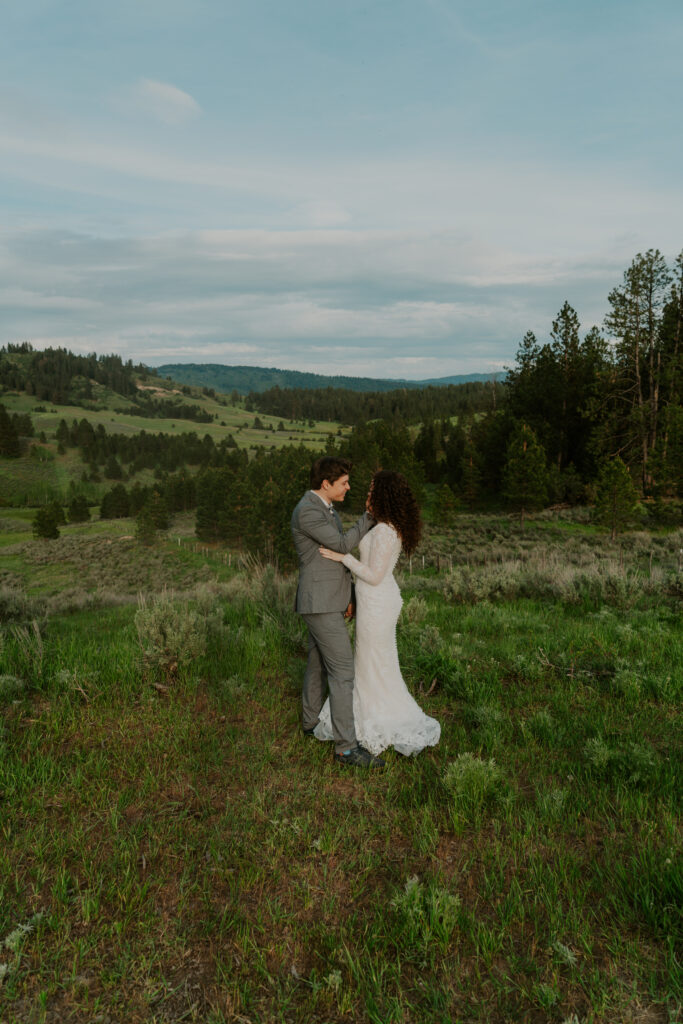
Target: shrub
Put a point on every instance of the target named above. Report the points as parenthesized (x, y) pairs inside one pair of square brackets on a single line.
[(415, 610), (16, 606), (171, 634)]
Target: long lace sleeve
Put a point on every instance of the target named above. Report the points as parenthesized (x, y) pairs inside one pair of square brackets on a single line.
[(384, 548)]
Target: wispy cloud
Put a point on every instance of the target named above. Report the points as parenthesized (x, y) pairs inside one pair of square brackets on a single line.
[(165, 102)]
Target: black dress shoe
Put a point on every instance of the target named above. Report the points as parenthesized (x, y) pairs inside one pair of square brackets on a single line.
[(309, 732), (359, 757)]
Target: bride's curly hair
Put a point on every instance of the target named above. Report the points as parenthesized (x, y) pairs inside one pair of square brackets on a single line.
[(393, 502)]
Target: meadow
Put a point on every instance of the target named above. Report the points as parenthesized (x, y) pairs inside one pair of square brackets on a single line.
[(43, 474), (173, 849)]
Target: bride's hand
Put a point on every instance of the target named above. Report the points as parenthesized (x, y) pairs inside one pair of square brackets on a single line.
[(334, 556)]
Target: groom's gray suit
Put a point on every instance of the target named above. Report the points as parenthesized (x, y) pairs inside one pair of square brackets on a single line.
[(323, 595)]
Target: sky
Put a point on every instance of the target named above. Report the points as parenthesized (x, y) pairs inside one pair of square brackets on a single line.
[(388, 188)]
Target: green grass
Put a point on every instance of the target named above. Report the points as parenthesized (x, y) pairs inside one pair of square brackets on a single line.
[(227, 419), (178, 851), (42, 474)]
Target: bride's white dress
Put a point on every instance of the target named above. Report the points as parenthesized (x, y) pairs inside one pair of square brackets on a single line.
[(385, 713)]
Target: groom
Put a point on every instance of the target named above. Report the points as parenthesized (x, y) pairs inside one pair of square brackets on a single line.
[(324, 601)]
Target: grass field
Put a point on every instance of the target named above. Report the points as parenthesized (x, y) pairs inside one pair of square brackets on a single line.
[(42, 474), (173, 849), (227, 419)]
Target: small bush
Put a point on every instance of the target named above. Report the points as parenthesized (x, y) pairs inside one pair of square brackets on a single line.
[(415, 610), (171, 634), (16, 606)]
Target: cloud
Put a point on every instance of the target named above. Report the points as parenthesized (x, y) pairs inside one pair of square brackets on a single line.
[(380, 303), (165, 102)]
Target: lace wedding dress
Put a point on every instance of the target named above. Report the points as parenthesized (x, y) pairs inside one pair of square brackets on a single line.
[(385, 713)]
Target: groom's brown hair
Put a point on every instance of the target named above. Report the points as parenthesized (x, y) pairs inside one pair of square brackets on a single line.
[(329, 467)]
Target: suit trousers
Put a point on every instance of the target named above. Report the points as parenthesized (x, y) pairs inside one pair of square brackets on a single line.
[(330, 659)]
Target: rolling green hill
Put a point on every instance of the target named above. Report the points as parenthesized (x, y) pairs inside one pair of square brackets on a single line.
[(244, 379)]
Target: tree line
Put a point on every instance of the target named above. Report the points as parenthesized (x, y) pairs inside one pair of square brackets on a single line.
[(49, 374), (398, 406), (63, 378), (575, 402)]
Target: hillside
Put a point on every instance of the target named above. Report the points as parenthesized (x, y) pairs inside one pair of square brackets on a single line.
[(244, 379), (47, 396)]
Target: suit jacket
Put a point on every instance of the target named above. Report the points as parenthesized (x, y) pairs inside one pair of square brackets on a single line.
[(324, 585)]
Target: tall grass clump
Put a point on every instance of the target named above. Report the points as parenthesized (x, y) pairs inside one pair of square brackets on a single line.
[(262, 586), (634, 763), (649, 882), (11, 688), (427, 917), (474, 785)]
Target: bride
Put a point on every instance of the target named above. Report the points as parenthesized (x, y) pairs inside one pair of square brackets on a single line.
[(384, 711)]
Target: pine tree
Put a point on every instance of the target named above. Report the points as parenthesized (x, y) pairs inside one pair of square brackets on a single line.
[(58, 509), (78, 511), (115, 503), (158, 510), (9, 438), (62, 433), (444, 507), (45, 523), (635, 320), (145, 530), (525, 477), (616, 497), (112, 469), (471, 476)]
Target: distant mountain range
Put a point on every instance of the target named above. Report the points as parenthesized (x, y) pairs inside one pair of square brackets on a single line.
[(244, 379)]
